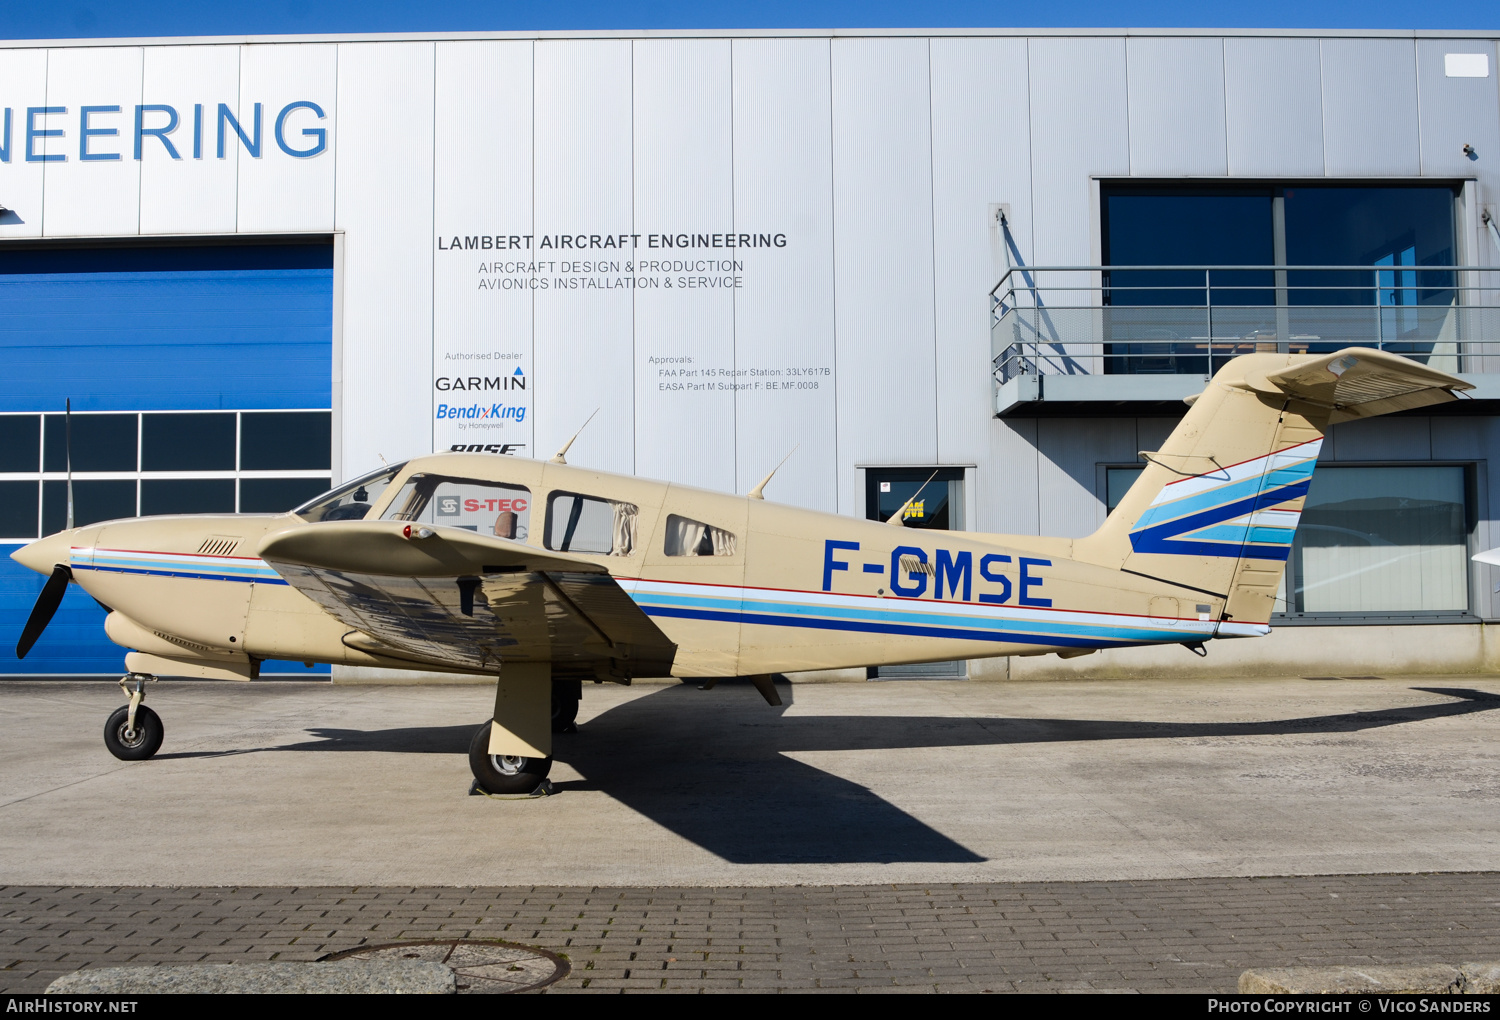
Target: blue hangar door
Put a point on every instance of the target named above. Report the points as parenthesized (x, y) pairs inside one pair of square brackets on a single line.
[(201, 382)]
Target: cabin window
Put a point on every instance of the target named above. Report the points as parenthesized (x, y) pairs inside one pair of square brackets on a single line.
[(486, 508), (588, 524), (687, 537)]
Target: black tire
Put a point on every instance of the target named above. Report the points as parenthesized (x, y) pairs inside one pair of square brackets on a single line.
[(139, 746), (565, 697), (504, 773)]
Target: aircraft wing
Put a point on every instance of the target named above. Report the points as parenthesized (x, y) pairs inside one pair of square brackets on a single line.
[(453, 597), (1359, 382)]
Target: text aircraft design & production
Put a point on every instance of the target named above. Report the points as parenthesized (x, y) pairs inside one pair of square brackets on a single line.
[(546, 574)]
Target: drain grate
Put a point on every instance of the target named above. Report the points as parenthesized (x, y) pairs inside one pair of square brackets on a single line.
[(480, 967)]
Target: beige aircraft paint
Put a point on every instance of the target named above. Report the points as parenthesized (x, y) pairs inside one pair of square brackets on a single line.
[(549, 574)]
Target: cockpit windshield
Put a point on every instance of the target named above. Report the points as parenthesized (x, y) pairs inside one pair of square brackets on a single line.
[(350, 501)]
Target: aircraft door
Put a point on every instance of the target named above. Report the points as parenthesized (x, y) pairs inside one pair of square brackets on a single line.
[(699, 543)]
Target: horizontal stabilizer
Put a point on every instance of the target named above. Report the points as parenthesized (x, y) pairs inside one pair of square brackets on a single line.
[(1359, 382)]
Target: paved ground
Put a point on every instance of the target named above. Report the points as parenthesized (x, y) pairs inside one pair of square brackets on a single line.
[(1173, 935), (932, 835), (900, 782)]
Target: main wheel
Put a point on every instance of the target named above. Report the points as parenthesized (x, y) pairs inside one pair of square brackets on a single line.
[(504, 773), (565, 697), (133, 746)]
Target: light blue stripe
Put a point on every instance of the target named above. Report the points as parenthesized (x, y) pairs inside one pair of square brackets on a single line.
[(748, 607), (178, 567), (1237, 533), (1228, 493)]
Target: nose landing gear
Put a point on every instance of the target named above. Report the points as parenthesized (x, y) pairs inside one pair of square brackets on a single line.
[(133, 732)]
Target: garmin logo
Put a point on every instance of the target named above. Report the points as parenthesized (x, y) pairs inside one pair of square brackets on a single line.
[(100, 130), (446, 383)]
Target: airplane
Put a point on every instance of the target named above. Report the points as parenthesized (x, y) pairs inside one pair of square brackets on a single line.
[(545, 574)]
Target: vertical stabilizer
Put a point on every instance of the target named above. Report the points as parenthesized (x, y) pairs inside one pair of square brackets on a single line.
[(1216, 508)]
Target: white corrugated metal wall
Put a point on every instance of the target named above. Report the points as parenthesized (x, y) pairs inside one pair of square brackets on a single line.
[(877, 156)]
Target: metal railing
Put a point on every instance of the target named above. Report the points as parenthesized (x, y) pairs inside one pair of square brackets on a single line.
[(1189, 320)]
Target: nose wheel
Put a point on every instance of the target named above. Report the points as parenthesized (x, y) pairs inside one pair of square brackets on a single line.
[(133, 732)]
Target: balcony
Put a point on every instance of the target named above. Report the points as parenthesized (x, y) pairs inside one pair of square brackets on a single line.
[(1111, 340)]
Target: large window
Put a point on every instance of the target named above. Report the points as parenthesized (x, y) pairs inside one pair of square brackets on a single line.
[(1401, 296), (157, 462), (1381, 540), (1373, 541)]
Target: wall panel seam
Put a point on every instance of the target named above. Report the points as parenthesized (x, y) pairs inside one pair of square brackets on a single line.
[(937, 423)]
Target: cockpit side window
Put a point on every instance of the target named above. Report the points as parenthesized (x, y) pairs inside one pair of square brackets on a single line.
[(496, 509), (588, 524), (350, 501), (687, 537)]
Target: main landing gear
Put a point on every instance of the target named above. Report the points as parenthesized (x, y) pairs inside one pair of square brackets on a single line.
[(133, 732), (521, 773)]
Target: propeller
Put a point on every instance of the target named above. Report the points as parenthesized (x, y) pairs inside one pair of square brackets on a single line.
[(46, 605)]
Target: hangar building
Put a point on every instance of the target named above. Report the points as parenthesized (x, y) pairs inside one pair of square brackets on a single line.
[(252, 267)]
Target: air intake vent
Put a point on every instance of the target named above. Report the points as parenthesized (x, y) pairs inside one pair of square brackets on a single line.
[(217, 545), (190, 645), (912, 565)]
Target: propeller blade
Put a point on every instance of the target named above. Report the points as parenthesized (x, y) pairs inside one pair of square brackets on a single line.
[(46, 605)]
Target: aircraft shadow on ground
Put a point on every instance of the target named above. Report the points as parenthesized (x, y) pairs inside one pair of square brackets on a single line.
[(713, 767)]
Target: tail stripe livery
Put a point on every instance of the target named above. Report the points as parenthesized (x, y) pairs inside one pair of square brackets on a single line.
[(1231, 512)]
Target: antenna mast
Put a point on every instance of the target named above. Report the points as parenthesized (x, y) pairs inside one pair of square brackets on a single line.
[(558, 457)]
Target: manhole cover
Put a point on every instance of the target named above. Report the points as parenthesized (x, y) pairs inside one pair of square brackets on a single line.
[(483, 967)]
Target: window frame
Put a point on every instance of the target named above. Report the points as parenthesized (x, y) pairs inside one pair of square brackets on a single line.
[(711, 557), (546, 537), (137, 475), (1472, 516)]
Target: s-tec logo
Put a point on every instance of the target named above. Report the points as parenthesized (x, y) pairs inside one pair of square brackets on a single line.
[(514, 381), (447, 506), (517, 505), (479, 412), (99, 129), (503, 448)]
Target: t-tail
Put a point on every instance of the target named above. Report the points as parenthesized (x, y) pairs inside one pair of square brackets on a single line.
[(1216, 508)]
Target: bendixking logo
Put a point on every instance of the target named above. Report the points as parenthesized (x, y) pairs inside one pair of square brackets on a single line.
[(476, 412)]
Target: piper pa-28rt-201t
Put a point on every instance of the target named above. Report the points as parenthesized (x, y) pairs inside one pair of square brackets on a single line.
[(546, 574)]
